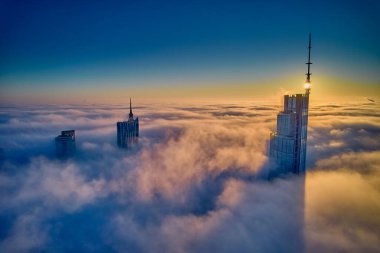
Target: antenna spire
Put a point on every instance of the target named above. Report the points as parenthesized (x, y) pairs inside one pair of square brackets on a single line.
[(308, 74), (130, 109)]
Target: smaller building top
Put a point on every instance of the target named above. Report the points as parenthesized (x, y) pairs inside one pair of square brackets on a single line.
[(65, 144), (68, 134)]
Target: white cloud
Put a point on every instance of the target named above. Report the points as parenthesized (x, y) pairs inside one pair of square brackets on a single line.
[(189, 186)]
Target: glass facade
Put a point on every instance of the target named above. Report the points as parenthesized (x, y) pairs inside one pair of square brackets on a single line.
[(288, 144), (127, 132)]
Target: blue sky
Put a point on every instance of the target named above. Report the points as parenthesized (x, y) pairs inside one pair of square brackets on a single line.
[(60, 45)]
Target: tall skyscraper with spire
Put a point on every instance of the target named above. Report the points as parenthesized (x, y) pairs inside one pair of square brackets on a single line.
[(128, 131), (288, 144)]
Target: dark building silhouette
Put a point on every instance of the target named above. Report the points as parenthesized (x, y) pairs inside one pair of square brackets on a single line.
[(288, 144), (65, 144), (128, 131)]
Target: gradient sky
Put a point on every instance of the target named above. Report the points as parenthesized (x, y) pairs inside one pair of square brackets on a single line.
[(102, 51)]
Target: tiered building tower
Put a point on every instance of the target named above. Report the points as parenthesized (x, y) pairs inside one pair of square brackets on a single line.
[(288, 144), (128, 131)]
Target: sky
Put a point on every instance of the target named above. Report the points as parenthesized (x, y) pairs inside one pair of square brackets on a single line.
[(206, 80), (106, 52)]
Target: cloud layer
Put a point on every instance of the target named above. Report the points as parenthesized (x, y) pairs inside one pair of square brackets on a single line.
[(192, 184)]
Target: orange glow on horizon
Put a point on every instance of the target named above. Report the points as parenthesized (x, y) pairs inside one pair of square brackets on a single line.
[(327, 88)]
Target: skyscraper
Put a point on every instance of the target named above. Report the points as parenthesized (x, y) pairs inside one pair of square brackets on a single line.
[(128, 131), (288, 144), (65, 144)]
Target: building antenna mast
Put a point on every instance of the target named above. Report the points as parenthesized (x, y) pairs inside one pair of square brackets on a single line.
[(308, 74), (130, 109)]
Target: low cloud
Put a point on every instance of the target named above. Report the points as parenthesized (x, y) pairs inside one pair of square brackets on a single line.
[(192, 184), (342, 210)]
